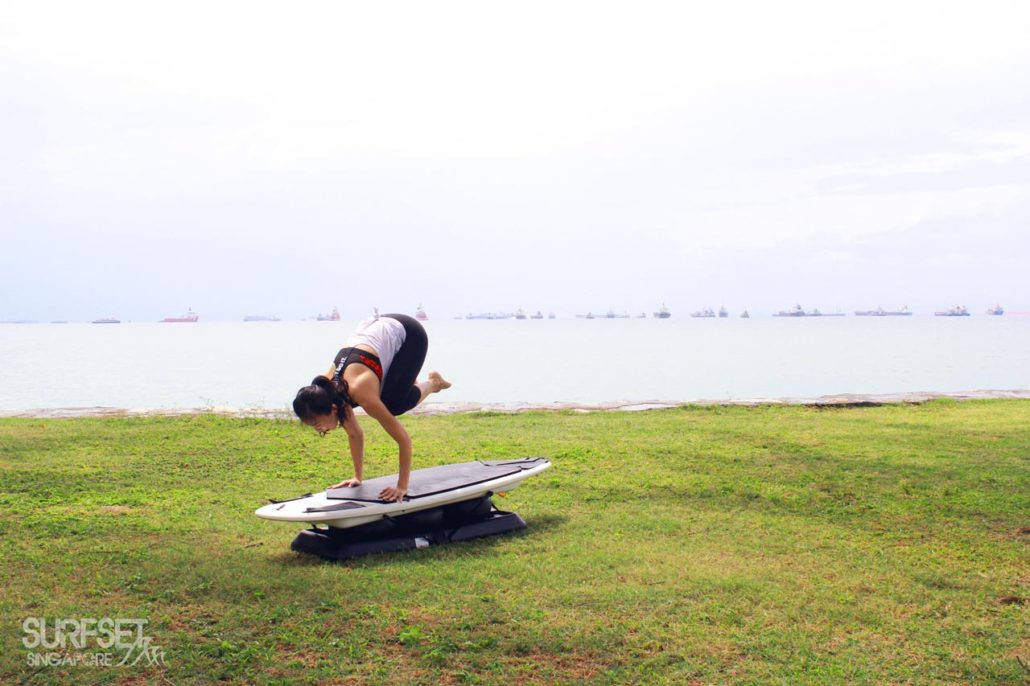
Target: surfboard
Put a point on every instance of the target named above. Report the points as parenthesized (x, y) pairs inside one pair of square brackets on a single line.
[(431, 487)]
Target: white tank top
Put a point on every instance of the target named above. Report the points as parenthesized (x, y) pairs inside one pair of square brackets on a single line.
[(384, 335)]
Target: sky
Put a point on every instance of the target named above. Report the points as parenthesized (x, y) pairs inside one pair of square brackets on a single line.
[(244, 158)]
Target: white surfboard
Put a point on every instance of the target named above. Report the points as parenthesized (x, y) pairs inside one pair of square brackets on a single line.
[(427, 488)]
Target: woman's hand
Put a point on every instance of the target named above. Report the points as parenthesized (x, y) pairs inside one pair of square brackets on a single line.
[(392, 494), (349, 483)]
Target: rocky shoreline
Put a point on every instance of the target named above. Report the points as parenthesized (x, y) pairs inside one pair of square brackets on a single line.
[(432, 408)]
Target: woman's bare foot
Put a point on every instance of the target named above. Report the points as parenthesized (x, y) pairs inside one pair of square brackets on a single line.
[(439, 383), (434, 384)]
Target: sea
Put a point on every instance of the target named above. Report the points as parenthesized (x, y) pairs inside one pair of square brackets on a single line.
[(258, 366)]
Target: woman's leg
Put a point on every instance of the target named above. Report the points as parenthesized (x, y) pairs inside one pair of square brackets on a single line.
[(400, 392)]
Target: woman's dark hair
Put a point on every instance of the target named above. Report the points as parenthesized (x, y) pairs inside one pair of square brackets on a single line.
[(317, 400)]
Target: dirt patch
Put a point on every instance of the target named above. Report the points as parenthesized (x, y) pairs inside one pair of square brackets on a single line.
[(561, 667)]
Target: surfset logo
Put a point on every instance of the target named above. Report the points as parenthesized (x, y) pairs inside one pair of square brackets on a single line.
[(88, 642)]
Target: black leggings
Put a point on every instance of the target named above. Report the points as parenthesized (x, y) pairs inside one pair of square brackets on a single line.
[(399, 392)]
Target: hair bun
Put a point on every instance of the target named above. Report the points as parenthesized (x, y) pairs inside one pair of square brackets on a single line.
[(317, 399), (339, 392)]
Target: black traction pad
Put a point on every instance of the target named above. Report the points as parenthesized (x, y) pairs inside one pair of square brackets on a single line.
[(433, 480)]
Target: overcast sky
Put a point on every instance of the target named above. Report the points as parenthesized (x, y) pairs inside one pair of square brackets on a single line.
[(282, 158)]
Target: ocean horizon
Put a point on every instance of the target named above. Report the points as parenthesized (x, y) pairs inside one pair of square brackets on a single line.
[(258, 366)]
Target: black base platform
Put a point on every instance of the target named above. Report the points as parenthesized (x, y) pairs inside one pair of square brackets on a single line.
[(436, 526)]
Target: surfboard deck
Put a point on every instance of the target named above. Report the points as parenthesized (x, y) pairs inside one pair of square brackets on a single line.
[(427, 488)]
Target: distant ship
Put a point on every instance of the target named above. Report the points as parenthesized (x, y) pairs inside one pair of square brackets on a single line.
[(997, 310), (538, 315), (420, 314), (334, 316), (642, 315), (663, 312), (957, 311), (488, 315), (550, 315), (798, 312), (260, 318), (519, 314), (745, 315), (880, 312), (611, 315), (189, 318), (795, 312), (703, 314), (588, 315), (107, 320)]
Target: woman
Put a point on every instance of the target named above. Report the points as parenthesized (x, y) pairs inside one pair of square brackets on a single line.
[(377, 370)]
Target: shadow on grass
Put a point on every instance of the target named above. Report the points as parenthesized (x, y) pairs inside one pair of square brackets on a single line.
[(479, 546)]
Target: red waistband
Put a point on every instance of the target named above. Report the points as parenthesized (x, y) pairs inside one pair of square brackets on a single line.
[(370, 361)]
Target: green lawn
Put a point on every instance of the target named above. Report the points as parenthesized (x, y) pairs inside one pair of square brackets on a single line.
[(706, 545)]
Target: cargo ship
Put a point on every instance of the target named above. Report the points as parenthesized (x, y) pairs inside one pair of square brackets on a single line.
[(880, 312), (957, 311), (996, 311), (798, 312), (107, 320), (489, 315), (703, 314), (333, 316), (663, 312), (189, 318), (795, 312)]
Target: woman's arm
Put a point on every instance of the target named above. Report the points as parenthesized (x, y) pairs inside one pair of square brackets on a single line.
[(375, 408), (356, 438)]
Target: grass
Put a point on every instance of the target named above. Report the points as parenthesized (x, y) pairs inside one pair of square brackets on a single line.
[(714, 545)]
